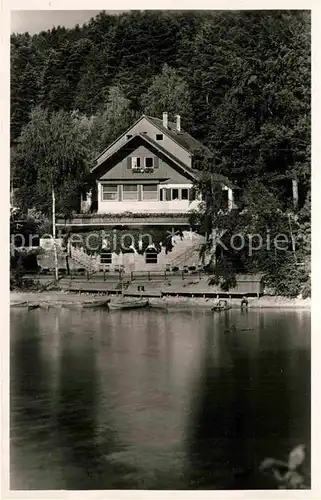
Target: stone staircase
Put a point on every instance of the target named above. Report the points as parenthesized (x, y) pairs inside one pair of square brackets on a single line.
[(186, 250), (77, 259), (83, 260)]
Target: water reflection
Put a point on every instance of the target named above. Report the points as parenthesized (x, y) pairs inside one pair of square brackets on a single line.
[(247, 404), (155, 399)]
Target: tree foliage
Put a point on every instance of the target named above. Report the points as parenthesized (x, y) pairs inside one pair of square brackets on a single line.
[(239, 79), (52, 153), (169, 92)]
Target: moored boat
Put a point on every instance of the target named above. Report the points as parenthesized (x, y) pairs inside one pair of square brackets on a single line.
[(220, 309), (32, 306), (128, 304), (19, 304), (222, 305), (97, 303)]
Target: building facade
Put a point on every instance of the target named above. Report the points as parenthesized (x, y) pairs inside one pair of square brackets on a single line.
[(146, 177)]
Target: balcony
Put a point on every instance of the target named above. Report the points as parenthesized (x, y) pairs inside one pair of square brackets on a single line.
[(143, 170), (125, 219)]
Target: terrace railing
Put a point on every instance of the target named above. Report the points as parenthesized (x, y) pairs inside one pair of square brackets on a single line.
[(119, 219)]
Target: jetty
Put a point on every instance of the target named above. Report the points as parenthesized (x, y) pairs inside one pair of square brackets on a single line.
[(159, 284)]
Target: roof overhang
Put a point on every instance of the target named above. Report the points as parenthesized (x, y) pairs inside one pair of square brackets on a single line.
[(152, 122), (153, 144), (119, 137)]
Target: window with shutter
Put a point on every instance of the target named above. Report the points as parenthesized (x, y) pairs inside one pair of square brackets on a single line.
[(135, 162), (184, 194), (149, 162), (175, 194), (192, 194)]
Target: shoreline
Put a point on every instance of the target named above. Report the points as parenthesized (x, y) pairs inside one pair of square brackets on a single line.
[(72, 299), (45, 300)]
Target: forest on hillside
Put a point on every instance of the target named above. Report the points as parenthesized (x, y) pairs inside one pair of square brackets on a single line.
[(239, 79)]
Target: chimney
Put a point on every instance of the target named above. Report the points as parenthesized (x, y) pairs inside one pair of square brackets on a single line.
[(165, 120), (178, 123)]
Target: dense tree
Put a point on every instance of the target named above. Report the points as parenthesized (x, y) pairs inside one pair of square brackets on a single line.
[(262, 122), (168, 92), (246, 75), (113, 119), (24, 82), (52, 154)]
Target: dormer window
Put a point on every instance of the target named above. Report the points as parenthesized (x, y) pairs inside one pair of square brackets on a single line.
[(159, 137)]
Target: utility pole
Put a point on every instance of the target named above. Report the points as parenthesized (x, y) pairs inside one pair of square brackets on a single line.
[(213, 229), (54, 232), (295, 193), (292, 239)]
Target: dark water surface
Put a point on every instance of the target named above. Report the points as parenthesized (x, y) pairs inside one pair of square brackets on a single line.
[(155, 399)]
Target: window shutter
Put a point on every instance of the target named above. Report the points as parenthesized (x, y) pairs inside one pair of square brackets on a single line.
[(129, 162), (192, 194), (140, 188), (120, 192), (168, 194), (156, 162)]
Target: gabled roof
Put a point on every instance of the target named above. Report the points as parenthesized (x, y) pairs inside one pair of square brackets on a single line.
[(117, 139), (184, 139), (189, 170), (161, 149)]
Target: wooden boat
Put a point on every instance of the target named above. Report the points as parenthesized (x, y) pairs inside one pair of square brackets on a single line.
[(32, 306), (19, 304), (221, 306), (96, 303), (220, 309), (159, 306), (128, 304)]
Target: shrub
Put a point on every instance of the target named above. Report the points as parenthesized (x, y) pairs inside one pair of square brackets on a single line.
[(306, 291), (289, 280)]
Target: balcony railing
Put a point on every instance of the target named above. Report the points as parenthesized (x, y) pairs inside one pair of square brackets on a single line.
[(143, 170)]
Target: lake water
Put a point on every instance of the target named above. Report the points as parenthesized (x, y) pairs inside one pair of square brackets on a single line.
[(156, 399)]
